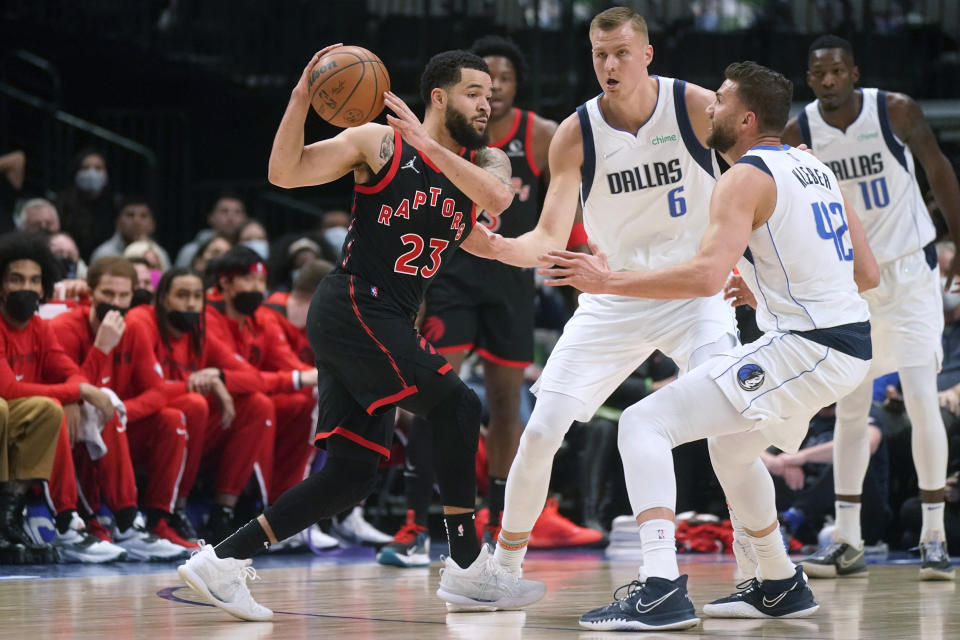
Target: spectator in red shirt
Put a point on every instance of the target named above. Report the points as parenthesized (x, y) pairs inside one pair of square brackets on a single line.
[(121, 357), (254, 332), (292, 306), (36, 380), (233, 420)]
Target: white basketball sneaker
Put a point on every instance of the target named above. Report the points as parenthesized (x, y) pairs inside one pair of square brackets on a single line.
[(143, 545), (354, 529), (485, 585), (76, 545), (223, 583)]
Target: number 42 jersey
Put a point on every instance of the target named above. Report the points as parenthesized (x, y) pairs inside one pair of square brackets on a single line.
[(799, 264), (406, 223)]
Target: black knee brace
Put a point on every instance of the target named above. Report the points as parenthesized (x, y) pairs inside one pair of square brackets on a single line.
[(347, 477), (455, 423)]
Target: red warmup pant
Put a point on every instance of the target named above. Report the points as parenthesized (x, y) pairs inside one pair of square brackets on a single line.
[(109, 479), (284, 460), (158, 445), (236, 447)]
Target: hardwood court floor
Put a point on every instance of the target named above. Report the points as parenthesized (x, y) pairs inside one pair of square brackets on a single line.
[(353, 597)]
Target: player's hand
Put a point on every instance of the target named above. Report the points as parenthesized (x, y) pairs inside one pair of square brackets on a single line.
[(737, 292), (71, 416), (588, 273), (950, 400), (110, 332), (308, 377), (203, 381), (72, 289), (98, 399), (302, 89), (406, 122), (793, 476), (951, 491), (953, 282), (227, 410)]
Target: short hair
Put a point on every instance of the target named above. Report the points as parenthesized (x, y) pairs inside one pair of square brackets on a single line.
[(504, 47), (132, 199), (764, 91), (310, 275), (830, 41), (618, 16), (443, 71), (237, 261), (20, 217), (18, 245), (227, 194), (111, 266)]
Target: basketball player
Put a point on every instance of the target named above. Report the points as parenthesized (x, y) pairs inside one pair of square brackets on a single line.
[(637, 155), (769, 216), (369, 355), (486, 307), (869, 138)]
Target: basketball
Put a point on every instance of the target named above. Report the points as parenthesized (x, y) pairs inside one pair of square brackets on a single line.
[(347, 85)]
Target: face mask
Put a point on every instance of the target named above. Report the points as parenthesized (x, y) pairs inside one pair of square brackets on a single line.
[(141, 296), (260, 246), (103, 308), (21, 305), (91, 180), (246, 302), (184, 321), (950, 299)]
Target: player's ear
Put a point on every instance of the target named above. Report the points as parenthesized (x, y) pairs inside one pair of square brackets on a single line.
[(855, 74), (438, 97), (648, 55)]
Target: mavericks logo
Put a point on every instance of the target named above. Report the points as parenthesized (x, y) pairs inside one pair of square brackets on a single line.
[(750, 377)]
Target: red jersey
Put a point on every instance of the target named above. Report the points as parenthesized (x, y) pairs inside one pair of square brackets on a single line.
[(179, 359), (32, 363), (261, 340), (296, 336), (130, 369)]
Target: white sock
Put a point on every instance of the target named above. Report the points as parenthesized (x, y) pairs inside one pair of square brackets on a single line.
[(510, 553), (932, 522), (848, 523), (659, 546), (772, 560), (742, 548)]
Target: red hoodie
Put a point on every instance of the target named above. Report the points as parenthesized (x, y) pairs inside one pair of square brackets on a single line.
[(32, 363), (130, 369)]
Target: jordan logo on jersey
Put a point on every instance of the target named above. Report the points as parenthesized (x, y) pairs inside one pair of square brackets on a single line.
[(653, 174), (515, 149)]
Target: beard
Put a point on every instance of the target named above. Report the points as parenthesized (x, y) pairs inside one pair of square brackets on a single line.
[(720, 139), (463, 132)]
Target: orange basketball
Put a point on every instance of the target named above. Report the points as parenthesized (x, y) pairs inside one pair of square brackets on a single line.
[(347, 85)]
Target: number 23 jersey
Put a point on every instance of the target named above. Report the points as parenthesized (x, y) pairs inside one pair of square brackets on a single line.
[(407, 221)]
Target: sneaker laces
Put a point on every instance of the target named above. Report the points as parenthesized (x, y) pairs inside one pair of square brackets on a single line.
[(932, 550), (632, 587), (408, 533), (832, 552), (746, 587)]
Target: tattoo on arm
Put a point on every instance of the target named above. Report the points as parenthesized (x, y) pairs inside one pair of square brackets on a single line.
[(386, 147), (496, 162)]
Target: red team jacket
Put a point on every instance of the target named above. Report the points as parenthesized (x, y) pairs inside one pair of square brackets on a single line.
[(131, 369), (297, 337), (32, 363), (179, 360)]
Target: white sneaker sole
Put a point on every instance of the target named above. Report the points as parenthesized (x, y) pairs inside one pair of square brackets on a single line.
[(196, 583), (929, 573), (463, 603), (744, 610), (74, 557), (829, 571), (392, 559), (635, 625)]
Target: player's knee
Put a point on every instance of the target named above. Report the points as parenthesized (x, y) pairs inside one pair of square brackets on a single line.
[(4, 411), (455, 421), (541, 438), (261, 411), (195, 409)]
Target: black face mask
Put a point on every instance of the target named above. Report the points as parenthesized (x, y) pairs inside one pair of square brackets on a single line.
[(103, 308), (141, 296), (184, 321), (246, 302), (21, 305)]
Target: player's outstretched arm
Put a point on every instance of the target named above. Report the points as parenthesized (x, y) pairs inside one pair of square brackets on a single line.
[(911, 126), (487, 183), (294, 165), (866, 272), (559, 208), (743, 195)]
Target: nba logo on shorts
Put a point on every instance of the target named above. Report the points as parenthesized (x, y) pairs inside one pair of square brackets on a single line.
[(373, 291), (659, 534), (460, 530), (750, 377)]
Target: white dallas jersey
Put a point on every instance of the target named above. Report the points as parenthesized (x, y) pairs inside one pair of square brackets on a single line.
[(799, 264), (876, 173), (646, 197)]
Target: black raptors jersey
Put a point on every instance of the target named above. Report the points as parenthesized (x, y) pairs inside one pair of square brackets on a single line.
[(407, 223), (518, 145)]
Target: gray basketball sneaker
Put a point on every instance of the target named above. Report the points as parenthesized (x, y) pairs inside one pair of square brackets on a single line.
[(935, 561), (485, 586), (836, 560)]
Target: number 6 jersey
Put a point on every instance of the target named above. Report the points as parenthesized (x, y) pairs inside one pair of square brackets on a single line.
[(876, 173), (646, 197), (799, 264), (407, 221)]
